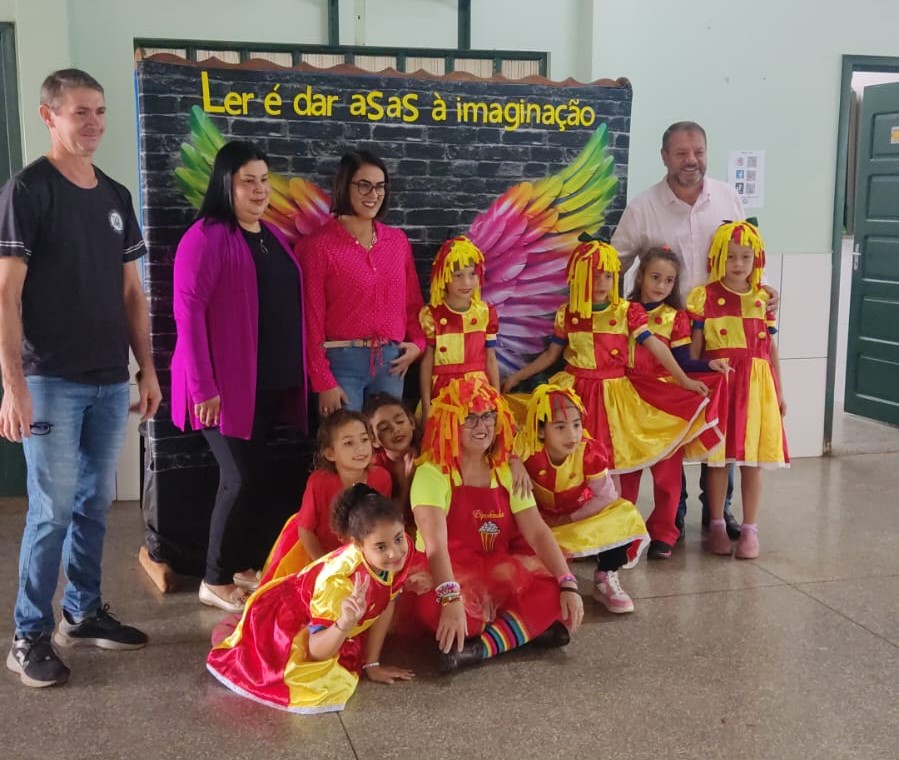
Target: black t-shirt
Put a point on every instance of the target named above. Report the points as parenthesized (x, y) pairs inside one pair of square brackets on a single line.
[(75, 242), (280, 354)]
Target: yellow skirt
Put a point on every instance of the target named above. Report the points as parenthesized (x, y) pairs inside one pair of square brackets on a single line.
[(619, 524)]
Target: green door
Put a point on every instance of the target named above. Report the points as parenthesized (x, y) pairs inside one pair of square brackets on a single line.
[(12, 462), (872, 373)]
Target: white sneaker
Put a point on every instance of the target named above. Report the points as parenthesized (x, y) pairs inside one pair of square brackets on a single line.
[(608, 592)]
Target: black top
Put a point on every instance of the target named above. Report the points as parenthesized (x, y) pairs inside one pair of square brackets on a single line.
[(75, 242), (280, 353)]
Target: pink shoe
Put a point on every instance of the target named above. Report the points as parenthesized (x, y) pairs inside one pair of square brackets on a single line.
[(748, 545), (608, 592), (716, 540)]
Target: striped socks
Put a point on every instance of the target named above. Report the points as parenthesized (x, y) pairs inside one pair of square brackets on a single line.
[(503, 634)]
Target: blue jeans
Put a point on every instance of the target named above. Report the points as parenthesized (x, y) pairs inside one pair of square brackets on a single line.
[(71, 461), (362, 372)]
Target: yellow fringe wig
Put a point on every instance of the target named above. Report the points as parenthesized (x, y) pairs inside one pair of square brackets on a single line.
[(741, 233), (589, 257), (544, 400), (443, 430), (454, 254)]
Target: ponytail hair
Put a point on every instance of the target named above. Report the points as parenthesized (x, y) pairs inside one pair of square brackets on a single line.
[(359, 508)]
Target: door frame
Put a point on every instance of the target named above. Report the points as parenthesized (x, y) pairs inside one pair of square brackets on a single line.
[(851, 65), (11, 102)]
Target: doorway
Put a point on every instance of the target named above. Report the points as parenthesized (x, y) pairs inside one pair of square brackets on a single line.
[(12, 461), (862, 411)]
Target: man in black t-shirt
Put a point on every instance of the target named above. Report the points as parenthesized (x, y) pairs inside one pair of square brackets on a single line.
[(71, 304)]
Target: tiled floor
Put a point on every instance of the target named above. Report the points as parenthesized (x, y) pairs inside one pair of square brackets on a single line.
[(793, 655)]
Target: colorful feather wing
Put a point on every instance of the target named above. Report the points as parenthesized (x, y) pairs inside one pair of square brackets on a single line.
[(297, 207), (526, 237)]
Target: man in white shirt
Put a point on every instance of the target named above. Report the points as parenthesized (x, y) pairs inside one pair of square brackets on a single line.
[(682, 211)]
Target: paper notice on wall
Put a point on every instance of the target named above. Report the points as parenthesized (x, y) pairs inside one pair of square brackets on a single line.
[(746, 174)]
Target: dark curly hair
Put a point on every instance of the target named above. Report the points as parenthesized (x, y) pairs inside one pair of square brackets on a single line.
[(359, 508)]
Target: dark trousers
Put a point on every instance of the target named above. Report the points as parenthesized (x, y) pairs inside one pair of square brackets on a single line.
[(703, 499), (235, 529), (611, 559)]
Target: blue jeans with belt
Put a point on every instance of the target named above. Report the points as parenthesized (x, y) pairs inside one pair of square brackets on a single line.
[(77, 436), (362, 371)]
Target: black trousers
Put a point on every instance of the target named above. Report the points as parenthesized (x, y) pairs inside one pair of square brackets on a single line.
[(611, 559), (238, 535)]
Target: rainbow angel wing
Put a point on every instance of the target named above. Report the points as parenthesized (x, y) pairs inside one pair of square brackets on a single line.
[(297, 207), (526, 237)]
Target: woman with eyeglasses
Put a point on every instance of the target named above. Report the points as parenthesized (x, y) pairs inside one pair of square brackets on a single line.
[(361, 293), (237, 368), (495, 578)]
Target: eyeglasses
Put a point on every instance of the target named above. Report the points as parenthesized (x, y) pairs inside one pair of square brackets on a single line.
[(472, 420), (365, 187), (41, 428)]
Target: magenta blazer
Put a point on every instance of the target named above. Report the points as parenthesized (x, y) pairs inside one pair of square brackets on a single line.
[(216, 307)]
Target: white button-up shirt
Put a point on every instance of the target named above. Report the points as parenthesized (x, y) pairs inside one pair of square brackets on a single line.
[(658, 217)]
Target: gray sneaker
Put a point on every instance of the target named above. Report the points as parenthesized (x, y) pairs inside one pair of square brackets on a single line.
[(101, 630), (36, 662)]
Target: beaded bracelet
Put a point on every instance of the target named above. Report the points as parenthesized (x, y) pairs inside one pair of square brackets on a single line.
[(447, 587), (371, 665), (449, 599), (567, 577)]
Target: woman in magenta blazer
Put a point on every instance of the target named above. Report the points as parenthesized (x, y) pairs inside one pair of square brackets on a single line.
[(238, 363)]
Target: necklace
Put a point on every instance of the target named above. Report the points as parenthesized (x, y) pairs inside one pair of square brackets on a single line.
[(359, 239)]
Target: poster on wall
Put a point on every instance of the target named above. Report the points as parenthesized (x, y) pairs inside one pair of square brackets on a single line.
[(746, 174)]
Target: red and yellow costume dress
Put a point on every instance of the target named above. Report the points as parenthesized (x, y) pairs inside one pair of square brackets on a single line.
[(288, 555), (460, 340), (564, 488), (638, 420), (672, 327), (267, 658), (480, 526), (737, 327)]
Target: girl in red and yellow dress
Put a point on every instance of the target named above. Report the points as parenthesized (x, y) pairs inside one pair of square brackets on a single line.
[(460, 329), (344, 457), (731, 321), (304, 639), (479, 596), (657, 289), (575, 493), (638, 421)]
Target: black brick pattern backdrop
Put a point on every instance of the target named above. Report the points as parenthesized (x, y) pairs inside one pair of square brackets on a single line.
[(442, 176)]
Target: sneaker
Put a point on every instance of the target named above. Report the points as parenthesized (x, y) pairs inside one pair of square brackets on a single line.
[(36, 662), (717, 541), (101, 630), (748, 545), (659, 550), (608, 592)]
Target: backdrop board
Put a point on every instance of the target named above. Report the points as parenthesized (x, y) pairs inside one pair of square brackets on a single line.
[(523, 167)]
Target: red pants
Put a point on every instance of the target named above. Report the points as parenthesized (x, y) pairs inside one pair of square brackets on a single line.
[(666, 480)]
